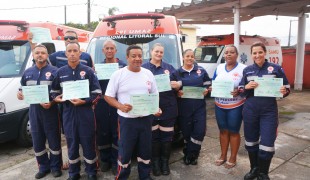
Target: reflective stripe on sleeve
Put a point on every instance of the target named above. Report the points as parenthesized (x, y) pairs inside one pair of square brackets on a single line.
[(207, 83), (143, 161), (40, 153), (123, 165), (55, 91), (155, 127), (287, 86), (31, 83), (45, 82), (97, 91)]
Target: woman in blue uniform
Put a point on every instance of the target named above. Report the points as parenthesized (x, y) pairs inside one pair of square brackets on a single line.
[(163, 126), (260, 114), (192, 112)]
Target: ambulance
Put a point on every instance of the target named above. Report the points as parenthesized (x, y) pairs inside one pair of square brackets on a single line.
[(143, 29), (15, 57), (210, 50)]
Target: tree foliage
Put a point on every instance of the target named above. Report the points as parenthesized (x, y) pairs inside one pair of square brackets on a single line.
[(92, 26), (87, 27)]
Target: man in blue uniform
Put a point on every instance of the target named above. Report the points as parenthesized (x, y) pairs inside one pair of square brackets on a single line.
[(260, 114), (78, 115), (60, 59), (43, 117), (106, 117)]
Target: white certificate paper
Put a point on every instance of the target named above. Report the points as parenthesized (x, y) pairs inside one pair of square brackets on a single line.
[(268, 87), (104, 71), (75, 89), (35, 94), (144, 104), (222, 88), (163, 82)]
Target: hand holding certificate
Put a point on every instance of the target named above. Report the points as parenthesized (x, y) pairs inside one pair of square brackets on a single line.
[(163, 82), (193, 92), (268, 87), (75, 89), (35, 94), (222, 88), (144, 104), (104, 71)]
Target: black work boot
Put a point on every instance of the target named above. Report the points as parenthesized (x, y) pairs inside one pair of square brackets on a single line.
[(156, 158), (165, 155), (263, 169), (253, 156)]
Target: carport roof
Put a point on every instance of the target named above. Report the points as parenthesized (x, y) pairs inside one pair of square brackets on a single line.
[(221, 11)]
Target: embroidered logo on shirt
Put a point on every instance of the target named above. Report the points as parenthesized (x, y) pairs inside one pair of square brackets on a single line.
[(270, 69), (82, 74), (198, 72), (167, 71), (48, 75)]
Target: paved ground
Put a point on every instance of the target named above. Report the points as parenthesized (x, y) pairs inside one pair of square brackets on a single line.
[(291, 161)]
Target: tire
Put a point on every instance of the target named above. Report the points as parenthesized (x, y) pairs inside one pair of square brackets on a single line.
[(24, 136)]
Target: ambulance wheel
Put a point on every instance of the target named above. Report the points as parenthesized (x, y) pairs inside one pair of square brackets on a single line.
[(24, 138)]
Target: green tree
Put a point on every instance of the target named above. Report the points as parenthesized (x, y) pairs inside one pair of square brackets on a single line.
[(112, 11)]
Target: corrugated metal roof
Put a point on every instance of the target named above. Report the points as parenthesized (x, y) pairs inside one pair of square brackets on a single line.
[(221, 11)]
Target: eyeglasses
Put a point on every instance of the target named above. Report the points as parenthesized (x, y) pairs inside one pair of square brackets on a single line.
[(69, 37)]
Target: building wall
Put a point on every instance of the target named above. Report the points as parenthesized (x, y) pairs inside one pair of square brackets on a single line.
[(289, 65), (190, 34)]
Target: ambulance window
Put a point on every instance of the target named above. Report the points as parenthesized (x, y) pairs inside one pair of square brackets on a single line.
[(13, 58), (208, 54)]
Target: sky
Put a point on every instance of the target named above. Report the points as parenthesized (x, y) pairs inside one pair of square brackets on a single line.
[(53, 10)]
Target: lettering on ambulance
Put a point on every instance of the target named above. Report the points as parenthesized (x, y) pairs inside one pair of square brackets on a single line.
[(134, 31), (130, 36), (273, 56), (7, 37)]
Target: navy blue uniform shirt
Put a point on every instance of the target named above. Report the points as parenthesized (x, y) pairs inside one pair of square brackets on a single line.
[(167, 99), (59, 59)]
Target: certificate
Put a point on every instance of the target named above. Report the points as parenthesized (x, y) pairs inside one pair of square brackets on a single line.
[(144, 104), (36, 94), (268, 87), (104, 71), (75, 89), (40, 34), (193, 92), (163, 82), (222, 88)]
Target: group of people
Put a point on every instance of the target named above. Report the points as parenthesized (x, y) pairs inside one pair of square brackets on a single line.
[(103, 122), (259, 114)]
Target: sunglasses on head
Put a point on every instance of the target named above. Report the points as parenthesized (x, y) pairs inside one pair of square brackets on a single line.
[(69, 37)]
